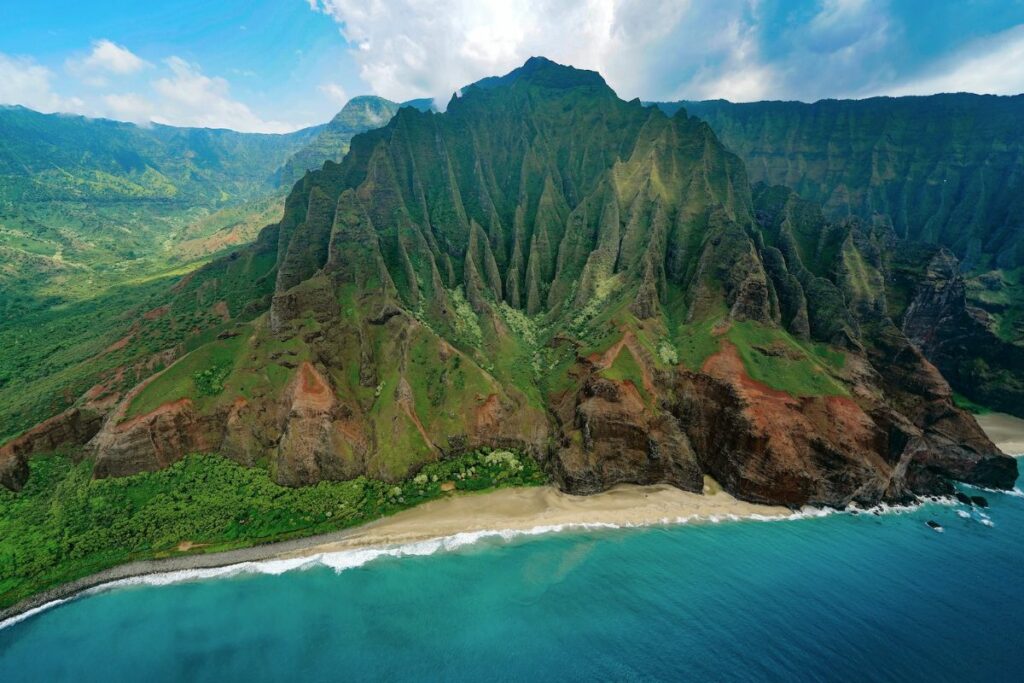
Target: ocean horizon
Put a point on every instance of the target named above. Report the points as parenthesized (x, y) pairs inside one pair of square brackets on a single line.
[(823, 597)]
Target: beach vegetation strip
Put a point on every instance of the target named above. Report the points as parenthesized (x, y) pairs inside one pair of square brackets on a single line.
[(66, 525)]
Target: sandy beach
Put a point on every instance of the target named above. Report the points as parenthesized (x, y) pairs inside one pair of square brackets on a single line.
[(537, 509), (545, 507), (542, 508), (1006, 431)]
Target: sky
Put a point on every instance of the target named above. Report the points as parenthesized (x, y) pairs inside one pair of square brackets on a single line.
[(279, 65)]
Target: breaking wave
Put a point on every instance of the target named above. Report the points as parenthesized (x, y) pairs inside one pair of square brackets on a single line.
[(343, 560)]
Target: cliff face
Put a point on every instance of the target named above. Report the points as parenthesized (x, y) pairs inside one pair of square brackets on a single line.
[(959, 337), (70, 428), (945, 169), (548, 267), (942, 170)]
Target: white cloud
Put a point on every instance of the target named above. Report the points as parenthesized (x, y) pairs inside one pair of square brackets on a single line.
[(188, 97), (24, 81), (993, 65), (182, 95), (740, 76), (128, 107), (654, 49), (411, 48), (107, 56), (335, 93)]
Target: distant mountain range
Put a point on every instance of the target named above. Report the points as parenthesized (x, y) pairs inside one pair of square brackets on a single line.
[(943, 170)]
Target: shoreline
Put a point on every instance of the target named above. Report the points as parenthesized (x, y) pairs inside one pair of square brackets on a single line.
[(537, 509), (540, 509), (1005, 431)]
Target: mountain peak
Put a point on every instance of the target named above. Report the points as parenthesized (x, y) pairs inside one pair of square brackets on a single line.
[(544, 72), (376, 109)]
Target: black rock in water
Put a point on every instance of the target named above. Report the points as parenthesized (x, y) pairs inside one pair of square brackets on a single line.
[(980, 501), (963, 498), (934, 525)]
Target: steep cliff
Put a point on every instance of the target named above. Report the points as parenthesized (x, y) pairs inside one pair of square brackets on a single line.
[(549, 267), (943, 170)]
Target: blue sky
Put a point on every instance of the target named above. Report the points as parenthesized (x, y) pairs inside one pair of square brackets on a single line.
[(276, 65)]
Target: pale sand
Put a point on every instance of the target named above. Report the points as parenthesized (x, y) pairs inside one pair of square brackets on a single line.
[(544, 507), (521, 509), (1006, 431)]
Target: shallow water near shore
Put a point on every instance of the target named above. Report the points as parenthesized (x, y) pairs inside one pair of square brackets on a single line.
[(861, 597)]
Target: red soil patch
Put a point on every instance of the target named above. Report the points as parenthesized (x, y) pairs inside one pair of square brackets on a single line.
[(405, 402), (487, 416), (311, 391), (607, 359), (158, 312), (787, 421), (118, 345), (179, 406), (221, 308)]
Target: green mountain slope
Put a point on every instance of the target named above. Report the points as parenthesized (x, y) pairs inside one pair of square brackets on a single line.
[(945, 169), (942, 170), (48, 157), (547, 267)]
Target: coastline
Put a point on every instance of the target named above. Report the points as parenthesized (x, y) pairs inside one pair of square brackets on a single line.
[(540, 509), (537, 509), (1006, 431)]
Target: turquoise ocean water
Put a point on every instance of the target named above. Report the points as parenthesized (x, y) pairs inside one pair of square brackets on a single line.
[(838, 598)]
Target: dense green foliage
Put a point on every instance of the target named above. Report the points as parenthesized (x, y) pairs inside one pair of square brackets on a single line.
[(65, 525)]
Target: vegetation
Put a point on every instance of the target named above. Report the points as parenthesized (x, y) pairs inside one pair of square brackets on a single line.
[(65, 525), (86, 250), (773, 357)]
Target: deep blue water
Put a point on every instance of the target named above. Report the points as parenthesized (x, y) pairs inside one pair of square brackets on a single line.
[(838, 598)]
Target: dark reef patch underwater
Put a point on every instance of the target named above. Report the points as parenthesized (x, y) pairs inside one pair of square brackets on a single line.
[(843, 597)]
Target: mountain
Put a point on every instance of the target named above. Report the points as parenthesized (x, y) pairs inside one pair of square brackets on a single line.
[(942, 170), (332, 140), (83, 201), (95, 216), (546, 267), (60, 157)]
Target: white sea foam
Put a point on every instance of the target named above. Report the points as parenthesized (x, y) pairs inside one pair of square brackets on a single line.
[(1014, 492), (11, 621), (343, 560)]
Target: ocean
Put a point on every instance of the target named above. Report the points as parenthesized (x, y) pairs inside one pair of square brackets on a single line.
[(835, 598)]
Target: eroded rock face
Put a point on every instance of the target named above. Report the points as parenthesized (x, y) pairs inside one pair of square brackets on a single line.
[(153, 441), (616, 438), (71, 428), (960, 340), (765, 445), (320, 440), (13, 470)]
